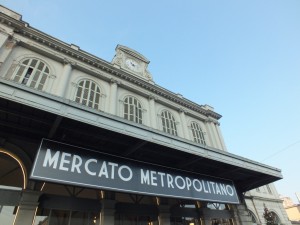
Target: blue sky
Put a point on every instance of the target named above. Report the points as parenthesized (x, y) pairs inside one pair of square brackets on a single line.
[(241, 57)]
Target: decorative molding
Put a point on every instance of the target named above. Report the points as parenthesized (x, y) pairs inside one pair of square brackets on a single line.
[(68, 61), (150, 96), (73, 84), (11, 42), (115, 81), (182, 110), (211, 120), (23, 29), (52, 76)]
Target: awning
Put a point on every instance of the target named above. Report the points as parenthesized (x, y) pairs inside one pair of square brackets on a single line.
[(27, 116)]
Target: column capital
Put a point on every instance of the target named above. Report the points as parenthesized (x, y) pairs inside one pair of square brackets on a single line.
[(182, 110), (69, 62), (211, 120), (11, 42), (30, 196), (115, 81), (152, 97)]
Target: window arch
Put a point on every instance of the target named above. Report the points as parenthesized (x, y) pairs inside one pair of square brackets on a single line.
[(133, 110), (275, 218), (31, 72), (217, 206), (253, 218), (198, 134), (168, 122), (88, 93)]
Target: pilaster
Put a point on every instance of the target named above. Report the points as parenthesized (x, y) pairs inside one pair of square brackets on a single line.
[(221, 137), (216, 135), (241, 215), (183, 122), (64, 79), (113, 96), (152, 111), (211, 135), (108, 212), (164, 215), (27, 208), (7, 45)]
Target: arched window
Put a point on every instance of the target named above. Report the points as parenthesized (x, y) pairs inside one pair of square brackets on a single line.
[(270, 217), (253, 218), (217, 206), (275, 218), (88, 93), (198, 134), (31, 72), (133, 110), (168, 123)]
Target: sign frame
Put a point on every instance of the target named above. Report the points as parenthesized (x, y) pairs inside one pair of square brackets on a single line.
[(67, 164)]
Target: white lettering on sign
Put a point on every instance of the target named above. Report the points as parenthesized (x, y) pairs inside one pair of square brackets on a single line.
[(51, 160), (75, 163), (141, 177), (154, 178)]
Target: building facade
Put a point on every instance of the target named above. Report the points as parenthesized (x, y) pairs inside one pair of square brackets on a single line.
[(292, 209), (86, 141)]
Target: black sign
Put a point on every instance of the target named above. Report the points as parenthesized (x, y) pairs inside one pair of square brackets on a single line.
[(67, 164)]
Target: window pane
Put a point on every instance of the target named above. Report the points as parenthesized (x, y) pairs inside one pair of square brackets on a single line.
[(34, 79), (33, 63), (42, 82), (88, 93), (26, 62), (197, 133), (41, 66), (168, 123), (31, 75), (133, 108)]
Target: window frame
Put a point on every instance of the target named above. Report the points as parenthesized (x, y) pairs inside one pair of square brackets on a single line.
[(132, 109), (168, 123), (31, 72), (197, 133), (84, 97)]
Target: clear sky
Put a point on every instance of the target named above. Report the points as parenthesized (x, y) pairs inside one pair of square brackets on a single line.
[(241, 57)]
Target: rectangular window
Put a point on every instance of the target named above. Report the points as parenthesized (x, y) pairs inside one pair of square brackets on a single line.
[(269, 189)]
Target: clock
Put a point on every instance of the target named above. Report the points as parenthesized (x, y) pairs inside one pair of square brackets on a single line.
[(132, 65)]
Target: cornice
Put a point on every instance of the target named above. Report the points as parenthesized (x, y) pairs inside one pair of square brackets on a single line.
[(23, 29), (264, 198), (133, 53)]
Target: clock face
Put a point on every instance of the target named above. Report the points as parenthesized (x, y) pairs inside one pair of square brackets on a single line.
[(133, 65)]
